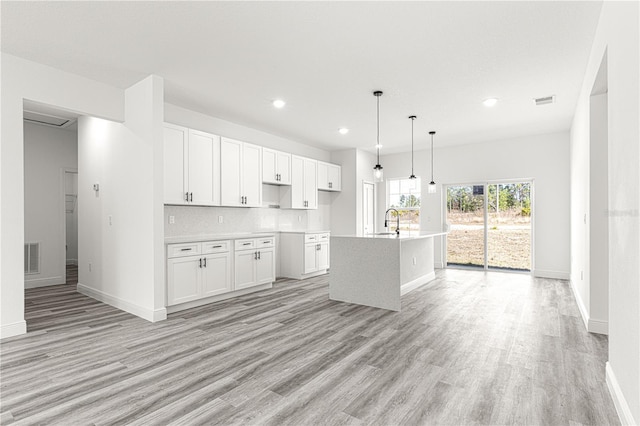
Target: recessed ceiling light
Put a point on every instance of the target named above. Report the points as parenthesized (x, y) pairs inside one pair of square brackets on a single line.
[(343, 130), (490, 102), (279, 103)]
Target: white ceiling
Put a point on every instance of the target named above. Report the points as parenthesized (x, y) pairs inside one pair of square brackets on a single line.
[(436, 60)]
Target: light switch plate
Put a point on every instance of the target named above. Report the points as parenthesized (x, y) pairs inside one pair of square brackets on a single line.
[(172, 220)]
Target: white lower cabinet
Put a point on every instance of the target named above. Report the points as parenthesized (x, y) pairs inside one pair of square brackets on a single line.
[(200, 270), (255, 262), (304, 254)]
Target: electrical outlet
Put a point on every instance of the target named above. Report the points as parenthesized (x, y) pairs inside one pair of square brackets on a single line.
[(172, 220), (220, 219), (90, 266), (299, 218), (582, 275), (110, 220), (414, 261)]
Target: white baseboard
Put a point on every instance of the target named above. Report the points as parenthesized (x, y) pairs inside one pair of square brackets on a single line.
[(592, 325), (622, 407), (418, 282), (72, 262), (583, 309), (139, 311), (44, 282), (598, 326), (558, 275), (212, 299), (13, 329)]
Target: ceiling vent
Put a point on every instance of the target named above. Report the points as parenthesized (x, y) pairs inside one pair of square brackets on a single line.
[(546, 100), (47, 119)]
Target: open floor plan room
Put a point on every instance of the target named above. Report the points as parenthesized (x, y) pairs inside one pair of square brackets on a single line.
[(468, 348)]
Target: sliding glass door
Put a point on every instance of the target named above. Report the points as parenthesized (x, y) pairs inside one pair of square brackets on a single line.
[(465, 216), (489, 226)]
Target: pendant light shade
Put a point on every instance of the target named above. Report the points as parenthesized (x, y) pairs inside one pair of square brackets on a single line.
[(377, 169), (412, 118), (432, 184)]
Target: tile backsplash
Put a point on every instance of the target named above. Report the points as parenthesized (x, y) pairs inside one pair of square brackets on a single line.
[(196, 220)]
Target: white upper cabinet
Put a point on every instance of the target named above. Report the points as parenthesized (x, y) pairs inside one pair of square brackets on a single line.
[(329, 177), (191, 167), (303, 193), (276, 167), (175, 174), (241, 173)]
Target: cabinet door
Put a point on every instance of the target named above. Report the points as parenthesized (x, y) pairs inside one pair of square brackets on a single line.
[(311, 183), (204, 185), (183, 279), (266, 266), (245, 270), (310, 258), (252, 175), (297, 182), (216, 274), (175, 174), (230, 172), (284, 168), (323, 256), (269, 168), (334, 177), (323, 176)]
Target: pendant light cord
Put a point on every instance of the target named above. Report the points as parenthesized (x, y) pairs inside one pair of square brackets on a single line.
[(412, 119), (378, 127), (431, 155)]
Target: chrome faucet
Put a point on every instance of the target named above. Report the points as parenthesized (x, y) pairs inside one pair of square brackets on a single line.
[(386, 220)]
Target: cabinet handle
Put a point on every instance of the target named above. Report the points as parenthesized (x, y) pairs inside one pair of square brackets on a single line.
[(205, 262), (258, 255), (329, 184), (201, 262), (191, 197), (186, 249), (213, 247), (246, 244), (255, 255), (186, 197), (318, 247)]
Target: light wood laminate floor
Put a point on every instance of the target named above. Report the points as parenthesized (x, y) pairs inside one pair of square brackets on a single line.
[(469, 348)]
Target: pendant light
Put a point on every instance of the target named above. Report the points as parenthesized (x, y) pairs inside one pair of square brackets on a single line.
[(412, 118), (432, 184), (377, 170)]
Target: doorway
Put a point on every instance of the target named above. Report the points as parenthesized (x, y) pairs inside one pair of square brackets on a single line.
[(71, 225), (489, 226), (368, 208)]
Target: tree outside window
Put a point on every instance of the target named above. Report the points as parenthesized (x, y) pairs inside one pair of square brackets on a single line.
[(404, 196)]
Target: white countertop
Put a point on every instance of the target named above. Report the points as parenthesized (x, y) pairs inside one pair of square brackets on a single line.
[(393, 236), (217, 237), (305, 232)]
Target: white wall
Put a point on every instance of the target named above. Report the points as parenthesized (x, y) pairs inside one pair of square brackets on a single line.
[(22, 79), (121, 245), (346, 208), (618, 36), (47, 153), (543, 158)]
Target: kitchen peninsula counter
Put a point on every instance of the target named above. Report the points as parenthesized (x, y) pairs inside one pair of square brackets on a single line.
[(378, 269)]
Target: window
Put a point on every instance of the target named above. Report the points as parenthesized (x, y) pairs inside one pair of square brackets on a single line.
[(404, 196)]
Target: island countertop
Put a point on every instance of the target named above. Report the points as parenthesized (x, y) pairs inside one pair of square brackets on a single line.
[(393, 236)]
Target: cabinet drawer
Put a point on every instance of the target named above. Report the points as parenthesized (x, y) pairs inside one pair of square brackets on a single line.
[(310, 238), (245, 244), (180, 250), (265, 242), (215, 247)]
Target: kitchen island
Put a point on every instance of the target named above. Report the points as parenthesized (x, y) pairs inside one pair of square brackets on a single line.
[(378, 269)]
